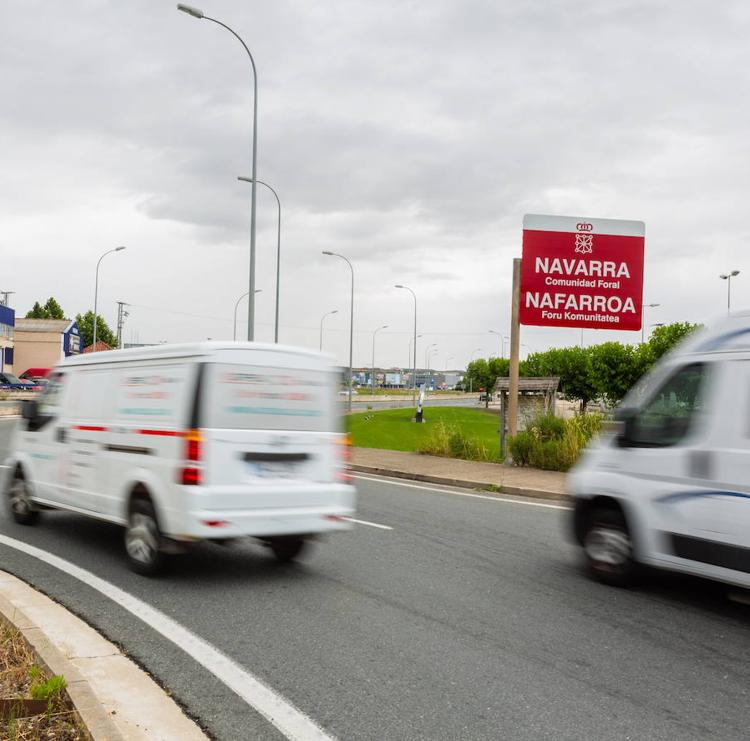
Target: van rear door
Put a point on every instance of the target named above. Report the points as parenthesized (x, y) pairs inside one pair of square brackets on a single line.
[(269, 427)]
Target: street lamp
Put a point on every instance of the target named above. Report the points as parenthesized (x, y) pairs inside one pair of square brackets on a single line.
[(96, 289), (646, 306), (414, 373), (385, 326), (502, 341), (432, 352), (450, 357), (351, 323), (278, 253), (196, 13), (728, 278), (335, 311), (234, 333), (414, 379)]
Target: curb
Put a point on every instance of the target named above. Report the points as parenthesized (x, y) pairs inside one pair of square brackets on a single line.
[(85, 702), (516, 491), (115, 698)]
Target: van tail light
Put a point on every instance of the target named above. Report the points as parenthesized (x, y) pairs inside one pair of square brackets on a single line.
[(344, 459), (191, 474)]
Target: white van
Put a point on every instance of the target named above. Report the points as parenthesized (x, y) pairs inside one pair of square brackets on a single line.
[(183, 443), (672, 488)]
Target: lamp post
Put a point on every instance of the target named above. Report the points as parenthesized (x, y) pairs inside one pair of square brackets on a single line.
[(96, 289), (414, 378), (414, 370), (335, 311), (502, 341), (351, 323), (450, 357), (643, 326), (196, 13), (432, 352), (234, 333), (385, 326), (728, 278), (278, 252)]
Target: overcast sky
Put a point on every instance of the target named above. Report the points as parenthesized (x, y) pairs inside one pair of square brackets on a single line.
[(409, 136)]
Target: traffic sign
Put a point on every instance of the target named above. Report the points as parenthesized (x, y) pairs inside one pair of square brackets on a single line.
[(582, 272)]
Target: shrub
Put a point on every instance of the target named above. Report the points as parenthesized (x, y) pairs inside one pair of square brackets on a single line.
[(448, 441), (553, 443)]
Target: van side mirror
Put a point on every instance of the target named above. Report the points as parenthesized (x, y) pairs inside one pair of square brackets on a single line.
[(29, 409)]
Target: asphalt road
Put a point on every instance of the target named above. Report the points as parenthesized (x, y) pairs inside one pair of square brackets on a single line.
[(470, 619)]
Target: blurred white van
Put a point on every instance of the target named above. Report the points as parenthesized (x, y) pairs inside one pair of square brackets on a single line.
[(188, 442), (672, 488)]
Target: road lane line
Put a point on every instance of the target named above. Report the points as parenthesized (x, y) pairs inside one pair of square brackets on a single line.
[(371, 524), (293, 723), (545, 505)]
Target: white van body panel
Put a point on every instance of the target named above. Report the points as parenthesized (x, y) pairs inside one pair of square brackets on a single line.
[(687, 504), (270, 449)]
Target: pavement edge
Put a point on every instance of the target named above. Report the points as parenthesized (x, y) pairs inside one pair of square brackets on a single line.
[(99, 725), (518, 491)]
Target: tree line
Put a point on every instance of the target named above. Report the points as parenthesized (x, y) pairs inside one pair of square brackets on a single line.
[(603, 372), (51, 309)]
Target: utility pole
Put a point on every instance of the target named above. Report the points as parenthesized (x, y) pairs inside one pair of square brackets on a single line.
[(121, 314), (5, 294)]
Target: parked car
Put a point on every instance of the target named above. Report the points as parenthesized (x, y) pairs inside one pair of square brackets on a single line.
[(9, 382), (181, 443), (670, 489), (35, 375)]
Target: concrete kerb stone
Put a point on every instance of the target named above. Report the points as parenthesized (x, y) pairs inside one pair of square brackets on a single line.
[(85, 702), (115, 698), (487, 487)]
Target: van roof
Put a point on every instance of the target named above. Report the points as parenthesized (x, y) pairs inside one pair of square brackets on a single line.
[(729, 334), (185, 350)]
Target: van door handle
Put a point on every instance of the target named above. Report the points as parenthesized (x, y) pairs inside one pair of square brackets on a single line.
[(62, 434)]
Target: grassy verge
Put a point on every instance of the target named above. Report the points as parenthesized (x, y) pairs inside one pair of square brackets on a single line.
[(393, 429), (22, 679)]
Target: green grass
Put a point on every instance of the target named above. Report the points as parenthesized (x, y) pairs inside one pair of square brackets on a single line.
[(393, 429)]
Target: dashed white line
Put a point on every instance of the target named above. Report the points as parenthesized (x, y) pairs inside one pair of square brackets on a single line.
[(507, 500), (293, 723), (370, 524)]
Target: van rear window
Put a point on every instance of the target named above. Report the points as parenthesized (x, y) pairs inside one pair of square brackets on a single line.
[(240, 397)]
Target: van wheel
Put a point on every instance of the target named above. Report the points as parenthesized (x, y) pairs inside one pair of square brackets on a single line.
[(143, 539), (287, 548), (608, 548), (19, 501)]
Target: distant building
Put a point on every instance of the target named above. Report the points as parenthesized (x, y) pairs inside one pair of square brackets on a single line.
[(101, 346), (43, 343), (7, 326)]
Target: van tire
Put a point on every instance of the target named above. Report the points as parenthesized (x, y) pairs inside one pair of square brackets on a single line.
[(286, 548), (19, 502), (608, 548), (143, 539)]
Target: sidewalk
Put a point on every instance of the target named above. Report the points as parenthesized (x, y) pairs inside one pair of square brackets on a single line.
[(528, 482)]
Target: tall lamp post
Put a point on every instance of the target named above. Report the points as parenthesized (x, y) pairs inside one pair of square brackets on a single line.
[(385, 326), (278, 253), (96, 289), (432, 352), (351, 323), (643, 325), (502, 341), (330, 313), (234, 333), (414, 368), (196, 13), (728, 278)]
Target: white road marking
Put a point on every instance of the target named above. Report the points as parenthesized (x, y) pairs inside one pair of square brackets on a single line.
[(371, 524), (293, 723), (545, 505)]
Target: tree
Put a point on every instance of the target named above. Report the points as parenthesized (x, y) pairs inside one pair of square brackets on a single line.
[(615, 368), (663, 339), (483, 374), (86, 328), (50, 310)]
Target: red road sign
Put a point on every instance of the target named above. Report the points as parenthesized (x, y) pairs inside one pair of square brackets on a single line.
[(578, 272)]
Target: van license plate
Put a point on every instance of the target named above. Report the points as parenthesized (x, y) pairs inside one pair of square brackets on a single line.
[(268, 470)]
